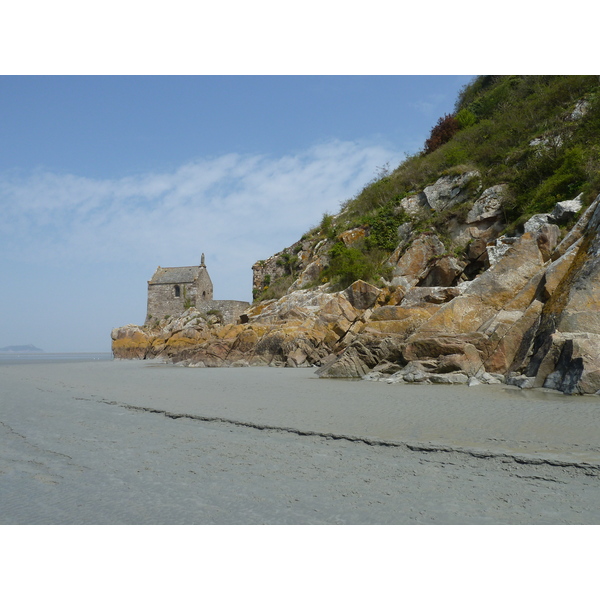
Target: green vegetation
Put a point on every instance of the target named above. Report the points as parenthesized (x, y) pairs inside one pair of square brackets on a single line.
[(383, 226), (465, 118), (346, 265), (278, 289), (515, 129), (289, 262)]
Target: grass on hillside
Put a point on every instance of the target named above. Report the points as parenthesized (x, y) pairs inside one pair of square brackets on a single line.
[(516, 130)]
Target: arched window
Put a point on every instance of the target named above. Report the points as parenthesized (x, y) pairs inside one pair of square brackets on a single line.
[(177, 291), (204, 294)]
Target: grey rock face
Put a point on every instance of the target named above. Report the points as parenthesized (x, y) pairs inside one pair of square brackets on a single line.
[(449, 190), (446, 192), (537, 222), (413, 205), (488, 205), (404, 232), (580, 110), (498, 249), (563, 211)]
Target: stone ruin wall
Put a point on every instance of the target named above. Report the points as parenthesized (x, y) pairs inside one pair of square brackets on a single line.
[(231, 310)]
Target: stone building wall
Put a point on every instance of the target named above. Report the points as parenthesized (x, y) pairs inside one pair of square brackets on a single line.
[(163, 301), (171, 291)]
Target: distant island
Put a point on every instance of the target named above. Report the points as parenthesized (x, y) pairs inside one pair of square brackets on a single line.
[(21, 349)]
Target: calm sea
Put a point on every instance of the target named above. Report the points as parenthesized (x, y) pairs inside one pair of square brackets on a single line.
[(20, 358)]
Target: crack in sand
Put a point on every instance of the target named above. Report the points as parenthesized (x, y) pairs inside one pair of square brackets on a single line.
[(589, 468), (539, 478), (11, 431)]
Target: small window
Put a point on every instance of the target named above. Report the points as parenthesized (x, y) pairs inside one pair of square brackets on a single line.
[(204, 294), (177, 291)]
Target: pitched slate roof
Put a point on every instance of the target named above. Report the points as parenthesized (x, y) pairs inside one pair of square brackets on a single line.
[(175, 275)]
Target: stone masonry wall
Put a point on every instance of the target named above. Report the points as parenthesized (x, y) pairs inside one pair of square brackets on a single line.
[(162, 300)]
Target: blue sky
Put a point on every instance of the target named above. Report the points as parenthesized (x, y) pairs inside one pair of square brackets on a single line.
[(103, 178)]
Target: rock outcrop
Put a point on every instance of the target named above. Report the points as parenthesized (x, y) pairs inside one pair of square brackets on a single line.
[(463, 282), (530, 317)]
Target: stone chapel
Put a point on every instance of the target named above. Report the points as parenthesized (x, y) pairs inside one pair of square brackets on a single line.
[(173, 290)]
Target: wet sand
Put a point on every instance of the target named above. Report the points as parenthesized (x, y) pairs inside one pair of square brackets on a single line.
[(127, 442)]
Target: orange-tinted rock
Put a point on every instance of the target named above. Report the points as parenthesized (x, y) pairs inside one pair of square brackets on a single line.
[(505, 335), (130, 342), (504, 280), (414, 263), (352, 236), (464, 314)]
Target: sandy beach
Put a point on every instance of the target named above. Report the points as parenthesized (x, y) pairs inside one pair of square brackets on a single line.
[(136, 442)]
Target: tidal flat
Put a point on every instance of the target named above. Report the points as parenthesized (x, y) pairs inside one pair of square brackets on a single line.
[(141, 442)]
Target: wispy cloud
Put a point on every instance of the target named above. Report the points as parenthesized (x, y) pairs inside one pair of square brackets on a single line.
[(235, 208), (430, 105)]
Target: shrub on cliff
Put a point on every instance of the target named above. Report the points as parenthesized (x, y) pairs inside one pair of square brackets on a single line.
[(383, 227), (347, 265), (443, 132), (465, 118)]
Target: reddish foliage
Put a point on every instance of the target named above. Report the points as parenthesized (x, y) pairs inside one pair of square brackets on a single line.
[(445, 129)]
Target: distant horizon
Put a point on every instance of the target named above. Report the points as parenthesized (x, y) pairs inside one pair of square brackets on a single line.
[(40, 351), (34, 350)]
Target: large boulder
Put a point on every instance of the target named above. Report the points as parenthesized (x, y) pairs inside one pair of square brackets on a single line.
[(443, 272), (310, 273), (361, 294), (446, 192), (504, 280), (362, 355), (577, 370), (446, 354), (351, 236), (506, 333), (130, 341), (547, 238), (535, 223)]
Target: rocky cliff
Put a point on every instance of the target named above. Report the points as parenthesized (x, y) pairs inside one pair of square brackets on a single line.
[(437, 275)]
